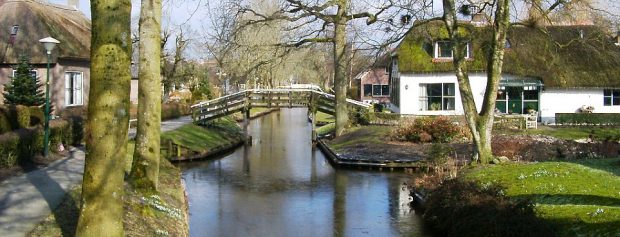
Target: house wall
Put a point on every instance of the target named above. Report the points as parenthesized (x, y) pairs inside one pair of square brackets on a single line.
[(133, 92), (410, 92), (570, 101), (57, 80), (375, 76)]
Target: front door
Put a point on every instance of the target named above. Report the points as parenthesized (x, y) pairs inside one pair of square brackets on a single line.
[(515, 101)]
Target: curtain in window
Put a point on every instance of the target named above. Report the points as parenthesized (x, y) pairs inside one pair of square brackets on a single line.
[(73, 88)]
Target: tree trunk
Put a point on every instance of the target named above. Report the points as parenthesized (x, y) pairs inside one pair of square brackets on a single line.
[(340, 69), (480, 124), (145, 167), (101, 212)]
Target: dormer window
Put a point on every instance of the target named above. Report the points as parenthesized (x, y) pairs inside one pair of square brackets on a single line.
[(14, 30), (444, 50)]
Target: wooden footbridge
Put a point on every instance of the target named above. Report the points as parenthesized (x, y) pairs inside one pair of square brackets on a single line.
[(243, 101)]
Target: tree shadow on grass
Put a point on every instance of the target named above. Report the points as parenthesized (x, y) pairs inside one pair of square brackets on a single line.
[(570, 199), (578, 227)]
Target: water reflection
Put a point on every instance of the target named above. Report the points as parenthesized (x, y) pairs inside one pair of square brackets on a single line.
[(280, 186)]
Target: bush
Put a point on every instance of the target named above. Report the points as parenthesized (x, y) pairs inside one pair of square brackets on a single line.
[(174, 110), (5, 123), (359, 116), (23, 116), (60, 132), (462, 208), (588, 118), (21, 144), (427, 129), (37, 116), (439, 154)]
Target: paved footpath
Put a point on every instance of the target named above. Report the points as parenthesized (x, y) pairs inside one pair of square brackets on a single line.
[(27, 199)]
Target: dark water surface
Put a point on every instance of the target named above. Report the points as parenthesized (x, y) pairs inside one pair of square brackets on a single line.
[(280, 186)]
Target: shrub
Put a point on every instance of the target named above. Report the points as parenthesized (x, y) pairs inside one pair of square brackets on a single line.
[(60, 132), (359, 116), (5, 123), (462, 208), (21, 144), (588, 118), (37, 116), (174, 110), (440, 129), (23, 116), (439, 153)]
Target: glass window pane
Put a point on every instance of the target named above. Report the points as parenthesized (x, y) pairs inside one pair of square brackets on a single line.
[(445, 49), (376, 89), (616, 100), (385, 90), (433, 89), (530, 95), (448, 103), (514, 93), (616, 93), (367, 89), (606, 100), (448, 89), (434, 103), (607, 92)]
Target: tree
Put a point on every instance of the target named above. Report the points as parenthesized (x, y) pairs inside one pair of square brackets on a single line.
[(481, 123), (101, 211), (313, 19), (24, 88), (145, 168)]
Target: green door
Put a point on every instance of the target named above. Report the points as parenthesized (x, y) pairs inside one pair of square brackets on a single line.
[(515, 100)]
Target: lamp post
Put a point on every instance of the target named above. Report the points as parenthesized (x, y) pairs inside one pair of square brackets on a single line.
[(49, 43)]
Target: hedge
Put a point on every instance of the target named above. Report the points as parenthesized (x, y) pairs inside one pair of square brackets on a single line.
[(14, 117), (612, 119), (22, 144)]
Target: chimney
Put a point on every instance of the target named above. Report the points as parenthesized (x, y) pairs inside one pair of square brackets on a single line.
[(73, 3)]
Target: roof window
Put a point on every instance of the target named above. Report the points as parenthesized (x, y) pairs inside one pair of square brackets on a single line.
[(14, 29)]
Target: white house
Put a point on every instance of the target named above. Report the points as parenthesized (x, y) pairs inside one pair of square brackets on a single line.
[(556, 69)]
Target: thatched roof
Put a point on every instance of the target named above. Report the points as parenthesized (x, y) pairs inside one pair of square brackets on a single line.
[(557, 55), (39, 19)]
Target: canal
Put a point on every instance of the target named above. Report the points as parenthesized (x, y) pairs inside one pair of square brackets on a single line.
[(280, 186)]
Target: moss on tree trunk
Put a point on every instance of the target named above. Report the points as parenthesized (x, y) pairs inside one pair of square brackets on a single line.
[(101, 212), (145, 167), (340, 70)]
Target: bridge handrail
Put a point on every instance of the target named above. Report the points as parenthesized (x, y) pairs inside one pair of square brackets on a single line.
[(202, 103)]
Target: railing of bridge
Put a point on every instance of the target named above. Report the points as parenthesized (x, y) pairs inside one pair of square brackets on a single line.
[(269, 98)]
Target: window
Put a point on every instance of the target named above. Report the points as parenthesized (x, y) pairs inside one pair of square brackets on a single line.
[(14, 30), (73, 88), (385, 90), (443, 49), (367, 90), (33, 74), (437, 96), (611, 97)]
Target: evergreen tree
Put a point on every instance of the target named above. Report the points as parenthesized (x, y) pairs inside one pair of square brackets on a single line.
[(24, 89)]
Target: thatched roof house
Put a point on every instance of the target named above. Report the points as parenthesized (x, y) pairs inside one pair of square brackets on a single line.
[(24, 22), (580, 56), (551, 69)]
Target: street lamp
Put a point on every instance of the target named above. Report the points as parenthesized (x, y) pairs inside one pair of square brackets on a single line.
[(49, 43)]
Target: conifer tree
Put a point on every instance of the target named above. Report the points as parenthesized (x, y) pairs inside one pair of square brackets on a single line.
[(24, 89)]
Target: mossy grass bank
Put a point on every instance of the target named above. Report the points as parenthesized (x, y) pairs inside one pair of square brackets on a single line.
[(579, 198)]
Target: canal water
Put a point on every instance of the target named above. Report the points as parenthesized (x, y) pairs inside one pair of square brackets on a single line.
[(280, 186)]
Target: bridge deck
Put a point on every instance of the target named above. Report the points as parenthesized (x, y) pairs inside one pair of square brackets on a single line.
[(268, 98)]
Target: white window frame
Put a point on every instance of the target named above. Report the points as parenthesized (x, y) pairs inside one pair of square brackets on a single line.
[(611, 97), (424, 97), (436, 50), (36, 73), (78, 100), (380, 90)]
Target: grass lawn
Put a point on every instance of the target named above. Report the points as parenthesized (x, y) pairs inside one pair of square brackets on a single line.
[(581, 198), (199, 139), (325, 118), (574, 133), (360, 135)]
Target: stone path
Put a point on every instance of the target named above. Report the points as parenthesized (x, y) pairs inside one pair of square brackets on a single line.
[(27, 199)]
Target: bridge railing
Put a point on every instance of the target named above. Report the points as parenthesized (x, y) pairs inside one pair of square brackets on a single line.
[(278, 98)]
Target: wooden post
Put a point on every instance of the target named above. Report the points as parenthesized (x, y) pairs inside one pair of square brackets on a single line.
[(313, 109), (290, 103), (246, 123)]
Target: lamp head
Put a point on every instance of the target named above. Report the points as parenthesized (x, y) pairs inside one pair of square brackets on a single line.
[(49, 43)]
